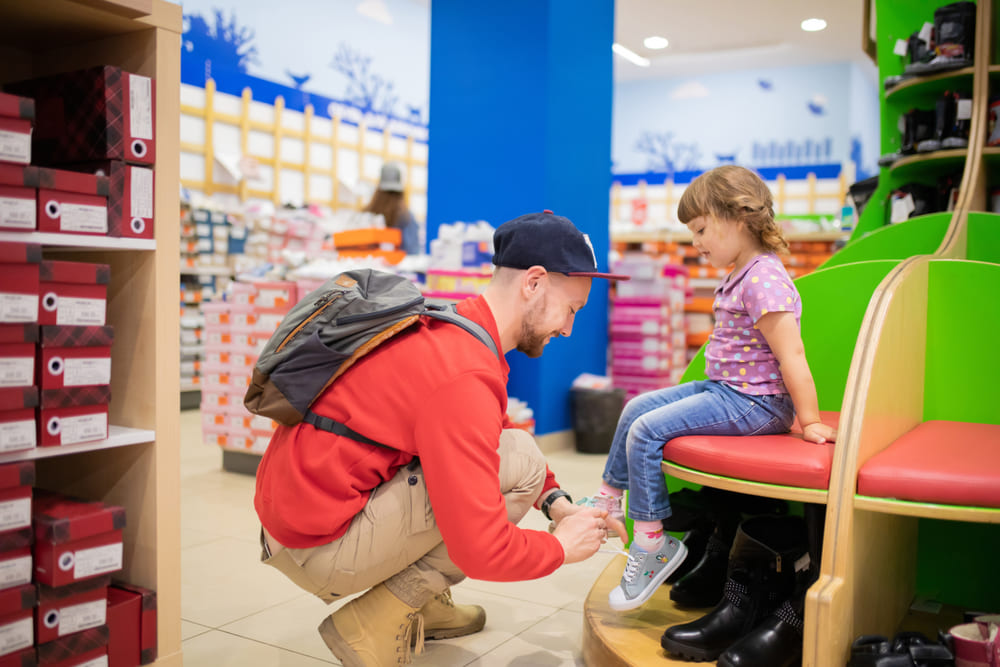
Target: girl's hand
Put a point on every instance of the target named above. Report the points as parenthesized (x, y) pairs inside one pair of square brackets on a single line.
[(819, 433)]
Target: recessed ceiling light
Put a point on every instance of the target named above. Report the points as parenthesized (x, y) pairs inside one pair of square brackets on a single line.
[(655, 42), (630, 55), (813, 25)]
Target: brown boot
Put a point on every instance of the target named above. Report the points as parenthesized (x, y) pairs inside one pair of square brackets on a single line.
[(373, 630), (443, 619)]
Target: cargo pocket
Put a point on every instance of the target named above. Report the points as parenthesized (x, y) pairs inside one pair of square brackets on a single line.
[(421, 515)]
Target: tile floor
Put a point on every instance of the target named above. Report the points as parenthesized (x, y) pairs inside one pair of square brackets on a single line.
[(237, 612)]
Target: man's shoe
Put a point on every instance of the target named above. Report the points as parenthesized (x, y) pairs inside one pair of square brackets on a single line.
[(443, 619), (644, 572), (373, 630)]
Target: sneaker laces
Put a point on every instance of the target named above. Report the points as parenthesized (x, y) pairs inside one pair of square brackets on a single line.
[(632, 567)]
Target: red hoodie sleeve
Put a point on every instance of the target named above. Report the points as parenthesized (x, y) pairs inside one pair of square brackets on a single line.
[(456, 437)]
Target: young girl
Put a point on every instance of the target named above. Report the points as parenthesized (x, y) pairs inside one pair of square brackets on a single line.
[(758, 377)]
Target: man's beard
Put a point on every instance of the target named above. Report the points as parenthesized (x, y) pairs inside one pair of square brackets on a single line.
[(532, 340)]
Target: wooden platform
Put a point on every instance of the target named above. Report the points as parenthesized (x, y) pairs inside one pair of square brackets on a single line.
[(631, 638)]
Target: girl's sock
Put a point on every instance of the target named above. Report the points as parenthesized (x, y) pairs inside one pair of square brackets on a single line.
[(649, 535), (606, 490)]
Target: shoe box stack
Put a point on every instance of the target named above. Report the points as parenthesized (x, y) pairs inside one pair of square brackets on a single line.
[(55, 350), (58, 604), (92, 146), (235, 331), (647, 336)]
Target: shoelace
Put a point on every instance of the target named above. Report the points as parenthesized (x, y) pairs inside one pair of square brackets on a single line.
[(445, 598), (414, 619), (631, 568)]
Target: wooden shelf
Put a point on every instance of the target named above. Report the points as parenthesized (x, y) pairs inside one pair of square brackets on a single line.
[(911, 164), (118, 436), (78, 241)]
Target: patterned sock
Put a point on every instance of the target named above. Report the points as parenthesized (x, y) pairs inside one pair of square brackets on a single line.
[(649, 535), (606, 490)]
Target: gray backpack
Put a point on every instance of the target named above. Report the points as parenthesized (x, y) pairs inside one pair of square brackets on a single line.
[(326, 332)]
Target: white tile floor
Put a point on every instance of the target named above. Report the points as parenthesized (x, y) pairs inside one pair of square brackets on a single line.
[(237, 612)]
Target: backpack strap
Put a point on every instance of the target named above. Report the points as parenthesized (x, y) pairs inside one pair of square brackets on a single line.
[(445, 313), (448, 313)]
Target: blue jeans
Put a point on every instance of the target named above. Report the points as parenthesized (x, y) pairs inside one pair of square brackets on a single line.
[(703, 407)]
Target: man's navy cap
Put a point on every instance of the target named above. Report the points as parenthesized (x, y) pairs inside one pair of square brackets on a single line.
[(547, 240)]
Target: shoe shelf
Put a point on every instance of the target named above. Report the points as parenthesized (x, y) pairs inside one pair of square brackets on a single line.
[(928, 164), (118, 436), (923, 89), (80, 241)]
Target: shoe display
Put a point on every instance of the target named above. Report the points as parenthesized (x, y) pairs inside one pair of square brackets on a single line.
[(644, 572), (956, 132), (767, 554), (953, 41)]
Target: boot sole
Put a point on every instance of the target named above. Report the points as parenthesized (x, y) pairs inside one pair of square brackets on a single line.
[(692, 653), (452, 633), (340, 648)]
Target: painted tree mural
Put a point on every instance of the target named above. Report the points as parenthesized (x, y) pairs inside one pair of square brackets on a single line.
[(223, 43), (365, 89), (663, 154)]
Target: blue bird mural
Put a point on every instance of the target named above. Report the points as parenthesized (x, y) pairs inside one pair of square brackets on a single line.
[(299, 79), (765, 84)]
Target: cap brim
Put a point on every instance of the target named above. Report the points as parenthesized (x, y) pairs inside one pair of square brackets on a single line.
[(609, 276)]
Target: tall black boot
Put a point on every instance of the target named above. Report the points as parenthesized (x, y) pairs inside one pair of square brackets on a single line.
[(761, 577), (777, 642), (696, 540)]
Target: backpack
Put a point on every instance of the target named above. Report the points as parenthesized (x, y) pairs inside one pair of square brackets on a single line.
[(326, 332)]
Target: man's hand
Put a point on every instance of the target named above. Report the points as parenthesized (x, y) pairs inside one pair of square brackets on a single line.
[(582, 532), (562, 508), (819, 433)]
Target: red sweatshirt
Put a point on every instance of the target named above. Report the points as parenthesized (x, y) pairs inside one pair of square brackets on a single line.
[(433, 391)]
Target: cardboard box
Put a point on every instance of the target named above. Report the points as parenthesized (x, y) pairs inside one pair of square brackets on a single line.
[(147, 619), (17, 197), (19, 333), (16, 632), (130, 196), (92, 114), (68, 426), (75, 539), (18, 426), (64, 610), (17, 365), (19, 265), (124, 618), (74, 356), (68, 397), (16, 561), (76, 649), (16, 118), (26, 657), (72, 203), (73, 293)]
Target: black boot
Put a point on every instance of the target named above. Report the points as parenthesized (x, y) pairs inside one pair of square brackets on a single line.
[(761, 577), (703, 585), (777, 642), (696, 541)]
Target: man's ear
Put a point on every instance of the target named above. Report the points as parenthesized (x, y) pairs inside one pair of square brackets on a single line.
[(533, 280)]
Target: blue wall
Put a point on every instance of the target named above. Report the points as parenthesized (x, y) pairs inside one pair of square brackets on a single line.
[(522, 95)]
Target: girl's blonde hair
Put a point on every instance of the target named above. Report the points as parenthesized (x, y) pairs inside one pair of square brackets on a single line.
[(734, 193)]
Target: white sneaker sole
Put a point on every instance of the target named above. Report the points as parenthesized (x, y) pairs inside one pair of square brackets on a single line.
[(652, 586)]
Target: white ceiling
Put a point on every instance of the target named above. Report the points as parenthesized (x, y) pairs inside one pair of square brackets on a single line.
[(715, 35)]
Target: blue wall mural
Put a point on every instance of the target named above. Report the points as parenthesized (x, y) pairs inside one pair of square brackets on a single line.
[(365, 60)]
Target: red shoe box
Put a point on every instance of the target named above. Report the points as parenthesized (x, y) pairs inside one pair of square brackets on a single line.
[(17, 365), (15, 558), (19, 266), (64, 610), (16, 480), (80, 649), (18, 427), (16, 630), (73, 293), (70, 397), (74, 357), (132, 621), (24, 658), (17, 197), (75, 539), (16, 116), (92, 114), (58, 427), (72, 203), (130, 197)]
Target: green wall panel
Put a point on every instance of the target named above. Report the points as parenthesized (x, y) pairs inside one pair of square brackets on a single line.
[(917, 236), (984, 237)]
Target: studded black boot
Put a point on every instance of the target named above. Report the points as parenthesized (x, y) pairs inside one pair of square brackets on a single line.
[(761, 575)]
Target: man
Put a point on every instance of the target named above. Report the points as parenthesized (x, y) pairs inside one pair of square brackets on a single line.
[(405, 524)]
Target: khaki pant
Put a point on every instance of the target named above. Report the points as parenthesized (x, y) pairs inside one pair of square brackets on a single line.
[(395, 539)]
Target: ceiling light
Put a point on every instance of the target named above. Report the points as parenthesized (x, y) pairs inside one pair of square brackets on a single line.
[(813, 25), (629, 55), (655, 42)]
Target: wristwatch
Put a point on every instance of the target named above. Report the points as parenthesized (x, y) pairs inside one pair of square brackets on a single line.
[(551, 498)]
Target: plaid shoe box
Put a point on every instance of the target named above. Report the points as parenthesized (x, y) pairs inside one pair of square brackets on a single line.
[(132, 621), (71, 202), (16, 628), (15, 558), (73, 293), (74, 357), (92, 114), (15, 359), (17, 197), (75, 539), (63, 610), (19, 265), (16, 480), (27, 657), (16, 117), (18, 426), (58, 427), (130, 197), (80, 649)]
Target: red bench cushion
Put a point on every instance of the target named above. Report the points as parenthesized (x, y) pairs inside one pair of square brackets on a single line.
[(784, 459), (951, 463)]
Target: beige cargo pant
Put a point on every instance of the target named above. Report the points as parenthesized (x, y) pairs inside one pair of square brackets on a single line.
[(395, 538)]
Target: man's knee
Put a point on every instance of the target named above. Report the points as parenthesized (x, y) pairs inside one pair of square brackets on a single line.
[(521, 462)]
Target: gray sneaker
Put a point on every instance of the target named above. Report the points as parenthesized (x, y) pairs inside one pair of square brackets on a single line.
[(644, 572)]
